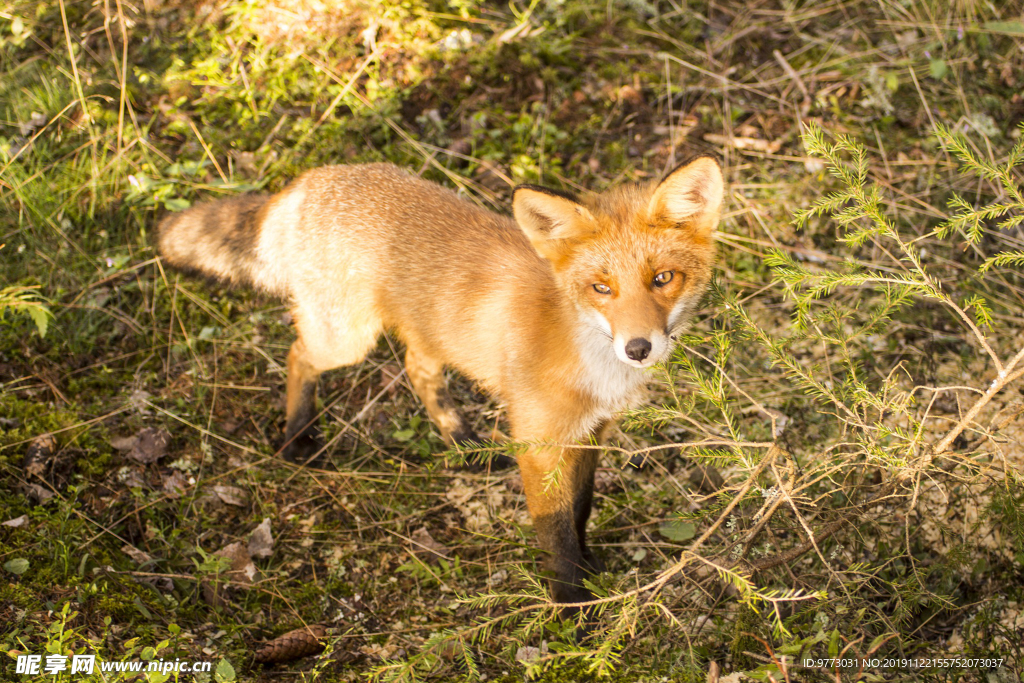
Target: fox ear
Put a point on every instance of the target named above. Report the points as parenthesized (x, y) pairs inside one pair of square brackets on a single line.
[(547, 216), (691, 194)]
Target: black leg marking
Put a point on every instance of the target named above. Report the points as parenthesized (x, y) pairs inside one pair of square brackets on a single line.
[(301, 435), (583, 499), (557, 535)]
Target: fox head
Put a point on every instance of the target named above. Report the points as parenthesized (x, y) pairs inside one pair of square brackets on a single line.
[(634, 260)]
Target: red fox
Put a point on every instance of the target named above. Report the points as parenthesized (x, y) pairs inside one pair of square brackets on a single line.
[(558, 312)]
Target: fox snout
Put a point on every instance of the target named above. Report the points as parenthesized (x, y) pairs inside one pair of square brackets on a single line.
[(638, 348), (642, 351)]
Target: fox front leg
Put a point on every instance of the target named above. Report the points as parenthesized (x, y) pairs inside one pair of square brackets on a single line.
[(582, 501), (427, 377), (559, 488)]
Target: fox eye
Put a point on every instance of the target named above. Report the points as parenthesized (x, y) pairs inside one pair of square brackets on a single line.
[(663, 278), (602, 288)]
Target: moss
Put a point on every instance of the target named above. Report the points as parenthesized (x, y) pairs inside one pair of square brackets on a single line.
[(118, 605), (19, 595), (748, 627), (33, 418)]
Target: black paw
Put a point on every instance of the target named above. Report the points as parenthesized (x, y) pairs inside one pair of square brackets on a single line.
[(304, 449), (591, 562), (638, 461), (465, 437), (582, 632), (488, 462), (501, 461), (583, 617)]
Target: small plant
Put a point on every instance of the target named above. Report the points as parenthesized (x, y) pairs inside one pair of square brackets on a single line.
[(69, 651), (26, 300)]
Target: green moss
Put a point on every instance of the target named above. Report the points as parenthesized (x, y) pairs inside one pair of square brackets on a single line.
[(748, 627), (19, 595)]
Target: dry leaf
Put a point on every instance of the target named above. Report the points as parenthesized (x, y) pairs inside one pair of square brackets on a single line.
[(242, 570), (261, 543), (425, 547), (138, 556), (706, 478), (150, 445), (527, 654), (175, 484), (39, 494), (124, 443), (137, 401), (39, 454), (231, 495), (131, 478), (735, 677), (16, 522)]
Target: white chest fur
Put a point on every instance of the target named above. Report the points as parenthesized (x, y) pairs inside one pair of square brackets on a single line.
[(612, 385)]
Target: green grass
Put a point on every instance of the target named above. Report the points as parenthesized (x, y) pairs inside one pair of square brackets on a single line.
[(156, 106)]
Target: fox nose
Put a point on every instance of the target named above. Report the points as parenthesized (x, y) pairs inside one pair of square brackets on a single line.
[(638, 348)]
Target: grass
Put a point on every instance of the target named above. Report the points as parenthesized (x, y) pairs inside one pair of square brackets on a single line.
[(827, 392)]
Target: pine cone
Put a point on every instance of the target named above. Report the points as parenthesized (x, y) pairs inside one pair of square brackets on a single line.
[(292, 645)]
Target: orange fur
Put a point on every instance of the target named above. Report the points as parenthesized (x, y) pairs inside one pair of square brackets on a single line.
[(558, 312)]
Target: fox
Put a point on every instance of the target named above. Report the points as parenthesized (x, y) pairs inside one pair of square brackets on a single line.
[(558, 311)]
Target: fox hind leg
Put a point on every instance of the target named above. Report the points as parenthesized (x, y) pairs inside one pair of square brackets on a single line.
[(324, 343), (427, 377), (301, 437)]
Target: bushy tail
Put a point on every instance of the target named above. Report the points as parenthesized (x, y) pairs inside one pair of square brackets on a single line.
[(217, 239)]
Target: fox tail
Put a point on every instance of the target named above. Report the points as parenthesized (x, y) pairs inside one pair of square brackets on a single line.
[(220, 240)]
